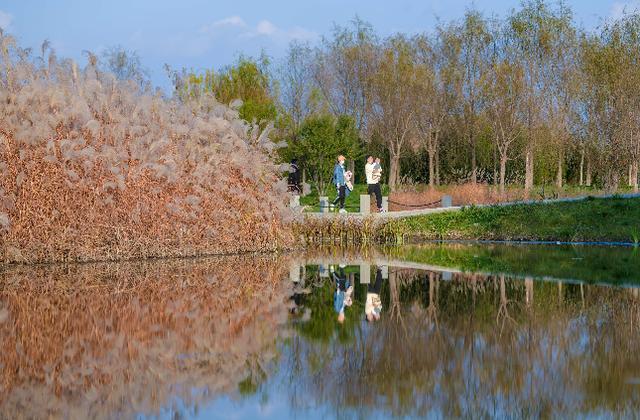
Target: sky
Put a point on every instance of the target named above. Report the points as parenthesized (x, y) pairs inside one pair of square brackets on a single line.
[(199, 34)]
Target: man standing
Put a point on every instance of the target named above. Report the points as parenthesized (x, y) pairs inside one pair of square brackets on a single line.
[(340, 182), (373, 182)]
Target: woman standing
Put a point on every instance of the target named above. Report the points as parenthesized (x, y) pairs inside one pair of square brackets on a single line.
[(340, 182)]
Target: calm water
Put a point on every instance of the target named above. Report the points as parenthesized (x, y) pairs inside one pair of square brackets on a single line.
[(437, 330)]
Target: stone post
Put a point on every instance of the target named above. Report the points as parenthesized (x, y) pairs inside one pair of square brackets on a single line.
[(365, 273), (446, 201), (365, 204), (324, 204)]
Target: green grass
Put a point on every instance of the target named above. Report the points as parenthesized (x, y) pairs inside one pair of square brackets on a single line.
[(312, 201), (594, 219)]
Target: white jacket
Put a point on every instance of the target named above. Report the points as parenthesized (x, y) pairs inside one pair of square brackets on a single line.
[(368, 170)]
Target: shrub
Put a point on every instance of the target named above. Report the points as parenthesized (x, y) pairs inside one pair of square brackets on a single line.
[(95, 168)]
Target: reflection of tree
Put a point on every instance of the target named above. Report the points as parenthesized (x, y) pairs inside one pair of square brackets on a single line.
[(432, 308), (503, 311), (553, 360), (114, 340)]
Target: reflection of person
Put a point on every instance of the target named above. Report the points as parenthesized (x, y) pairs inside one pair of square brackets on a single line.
[(373, 305), (342, 296)]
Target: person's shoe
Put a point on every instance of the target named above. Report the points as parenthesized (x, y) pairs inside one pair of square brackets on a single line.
[(382, 210), (342, 211)]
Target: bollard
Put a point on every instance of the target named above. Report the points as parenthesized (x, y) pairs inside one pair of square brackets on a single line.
[(294, 272), (294, 201), (385, 203), (324, 204), (365, 273), (385, 272), (446, 201), (365, 204)]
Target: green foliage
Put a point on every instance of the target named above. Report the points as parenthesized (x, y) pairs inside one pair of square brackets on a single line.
[(319, 142), (589, 220), (248, 80)]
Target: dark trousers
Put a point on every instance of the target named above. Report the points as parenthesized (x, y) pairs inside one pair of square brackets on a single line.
[(342, 193), (375, 189)]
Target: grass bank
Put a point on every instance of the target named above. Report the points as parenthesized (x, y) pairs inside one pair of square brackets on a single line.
[(593, 219)]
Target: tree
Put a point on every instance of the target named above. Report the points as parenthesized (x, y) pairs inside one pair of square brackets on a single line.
[(248, 81), (319, 142), (505, 87), (393, 114), (125, 65), (431, 98)]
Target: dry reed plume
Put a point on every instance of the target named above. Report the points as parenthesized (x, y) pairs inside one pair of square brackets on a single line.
[(104, 340), (93, 168)]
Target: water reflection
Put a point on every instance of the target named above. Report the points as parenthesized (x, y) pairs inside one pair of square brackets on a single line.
[(451, 343), (116, 340), (404, 332)]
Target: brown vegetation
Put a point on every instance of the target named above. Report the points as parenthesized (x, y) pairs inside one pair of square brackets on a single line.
[(103, 340), (93, 168)]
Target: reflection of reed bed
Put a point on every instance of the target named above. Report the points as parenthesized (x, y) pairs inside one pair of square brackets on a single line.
[(105, 340)]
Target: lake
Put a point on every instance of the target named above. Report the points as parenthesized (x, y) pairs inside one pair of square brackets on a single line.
[(435, 330)]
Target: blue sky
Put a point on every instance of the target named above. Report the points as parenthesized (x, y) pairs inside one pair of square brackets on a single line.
[(202, 34)]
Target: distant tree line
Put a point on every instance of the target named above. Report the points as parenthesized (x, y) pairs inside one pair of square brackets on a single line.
[(530, 98)]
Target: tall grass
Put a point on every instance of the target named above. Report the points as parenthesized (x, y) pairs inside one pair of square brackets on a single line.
[(92, 168)]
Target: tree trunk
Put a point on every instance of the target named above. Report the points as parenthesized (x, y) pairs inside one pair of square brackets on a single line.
[(503, 171), (588, 178), (634, 182), (630, 178), (528, 175), (582, 167), (474, 169), (438, 166), (559, 175), (394, 171), (432, 170)]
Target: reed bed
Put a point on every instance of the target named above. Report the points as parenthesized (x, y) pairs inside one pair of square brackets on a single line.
[(344, 231), (109, 340), (94, 168)]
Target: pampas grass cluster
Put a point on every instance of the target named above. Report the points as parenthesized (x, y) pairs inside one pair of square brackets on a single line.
[(94, 168)]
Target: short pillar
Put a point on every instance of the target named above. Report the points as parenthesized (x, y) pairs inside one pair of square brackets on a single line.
[(294, 201), (324, 271), (385, 203), (365, 204), (324, 204), (446, 201), (365, 273), (447, 275), (385, 272), (294, 272)]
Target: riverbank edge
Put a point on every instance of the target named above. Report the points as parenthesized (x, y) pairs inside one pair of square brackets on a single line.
[(589, 220)]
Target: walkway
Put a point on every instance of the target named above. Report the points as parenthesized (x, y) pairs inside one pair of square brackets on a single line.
[(412, 213)]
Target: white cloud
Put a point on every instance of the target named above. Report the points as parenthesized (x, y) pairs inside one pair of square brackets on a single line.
[(619, 8), (266, 28), (5, 20), (228, 22)]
